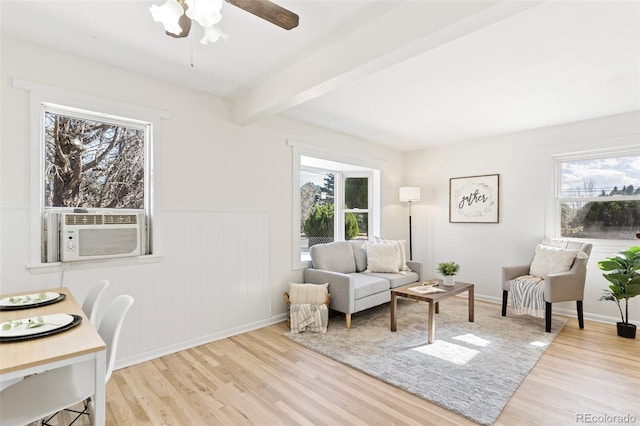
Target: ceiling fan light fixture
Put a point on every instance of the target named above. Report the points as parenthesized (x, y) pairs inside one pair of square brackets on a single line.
[(204, 12), (168, 15), (177, 15), (213, 34), (185, 25)]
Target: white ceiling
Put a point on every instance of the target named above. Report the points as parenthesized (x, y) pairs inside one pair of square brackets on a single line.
[(407, 74)]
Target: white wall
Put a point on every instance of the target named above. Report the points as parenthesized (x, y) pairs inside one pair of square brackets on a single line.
[(522, 160), (206, 167)]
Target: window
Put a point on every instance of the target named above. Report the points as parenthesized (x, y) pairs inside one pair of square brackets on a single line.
[(105, 162), (322, 219), (356, 207), (317, 225), (92, 162), (333, 201), (598, 196)]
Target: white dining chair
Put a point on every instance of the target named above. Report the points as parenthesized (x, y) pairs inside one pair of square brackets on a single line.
[(92, 301), (47, 393)]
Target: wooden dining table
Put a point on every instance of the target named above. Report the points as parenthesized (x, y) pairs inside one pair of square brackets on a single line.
[(78, 344)]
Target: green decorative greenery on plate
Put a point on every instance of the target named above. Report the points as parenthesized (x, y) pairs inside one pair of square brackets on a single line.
[(28, 299), (30, 323)]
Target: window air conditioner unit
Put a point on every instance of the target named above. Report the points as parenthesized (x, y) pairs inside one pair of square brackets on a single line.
[(87, 236)]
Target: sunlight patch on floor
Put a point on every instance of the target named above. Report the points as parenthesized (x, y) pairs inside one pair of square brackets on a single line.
[(473, 340), (538, 344), (446, 351)]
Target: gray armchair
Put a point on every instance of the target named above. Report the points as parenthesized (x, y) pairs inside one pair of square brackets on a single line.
[(558, 286)]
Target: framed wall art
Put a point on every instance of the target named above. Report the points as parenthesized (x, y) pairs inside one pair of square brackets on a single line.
[(474, 199)]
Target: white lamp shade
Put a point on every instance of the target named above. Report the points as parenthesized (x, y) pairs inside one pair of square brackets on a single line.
[(213, 34), (204, 12), (168, 14), (409, 193)]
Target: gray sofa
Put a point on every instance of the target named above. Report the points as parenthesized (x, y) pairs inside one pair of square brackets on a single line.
[(342, 264)]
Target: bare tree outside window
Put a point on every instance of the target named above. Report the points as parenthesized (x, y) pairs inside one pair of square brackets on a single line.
[(93, 164)]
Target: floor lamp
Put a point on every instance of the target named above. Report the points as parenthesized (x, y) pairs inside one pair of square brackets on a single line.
[(410, 194)]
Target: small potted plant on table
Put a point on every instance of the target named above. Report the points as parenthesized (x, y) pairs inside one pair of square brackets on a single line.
[(448, 270), (621, 271)]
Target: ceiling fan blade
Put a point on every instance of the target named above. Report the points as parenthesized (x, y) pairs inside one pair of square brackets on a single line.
[(269, 12), (185, 24)]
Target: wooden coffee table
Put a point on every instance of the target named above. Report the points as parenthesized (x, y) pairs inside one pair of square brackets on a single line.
[(432, 299)]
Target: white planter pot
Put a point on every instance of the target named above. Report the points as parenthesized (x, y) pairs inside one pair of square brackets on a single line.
[(449, 280)]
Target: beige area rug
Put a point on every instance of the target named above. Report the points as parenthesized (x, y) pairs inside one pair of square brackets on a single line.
[(472, 368)]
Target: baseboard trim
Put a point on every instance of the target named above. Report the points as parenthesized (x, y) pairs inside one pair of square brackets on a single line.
[(571, 313), (167, 350)]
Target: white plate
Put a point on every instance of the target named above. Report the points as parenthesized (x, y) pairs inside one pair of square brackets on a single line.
[(29, 299), (24, 327)]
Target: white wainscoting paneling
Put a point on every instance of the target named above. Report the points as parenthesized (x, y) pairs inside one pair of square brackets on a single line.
[(212, 279)]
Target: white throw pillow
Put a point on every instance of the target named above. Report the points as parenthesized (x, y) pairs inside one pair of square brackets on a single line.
[(550, 260), (401, 253), (316, 294), (382, 257)]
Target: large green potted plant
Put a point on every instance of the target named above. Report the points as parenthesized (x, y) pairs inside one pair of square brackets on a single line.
[(448, 270), (621, 271)]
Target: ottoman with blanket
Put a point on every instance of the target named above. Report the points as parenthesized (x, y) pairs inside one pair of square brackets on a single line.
[(308, 307)]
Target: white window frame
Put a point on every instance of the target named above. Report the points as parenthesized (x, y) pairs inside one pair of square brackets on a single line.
[(614, 147), (369, 209), (40, 95), (339, 160)]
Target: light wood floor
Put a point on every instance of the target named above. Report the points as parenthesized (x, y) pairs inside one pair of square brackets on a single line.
[(261, 378)]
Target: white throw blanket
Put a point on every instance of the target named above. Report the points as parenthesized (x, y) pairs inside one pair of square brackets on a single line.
[(308, 317), (527, 296)]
